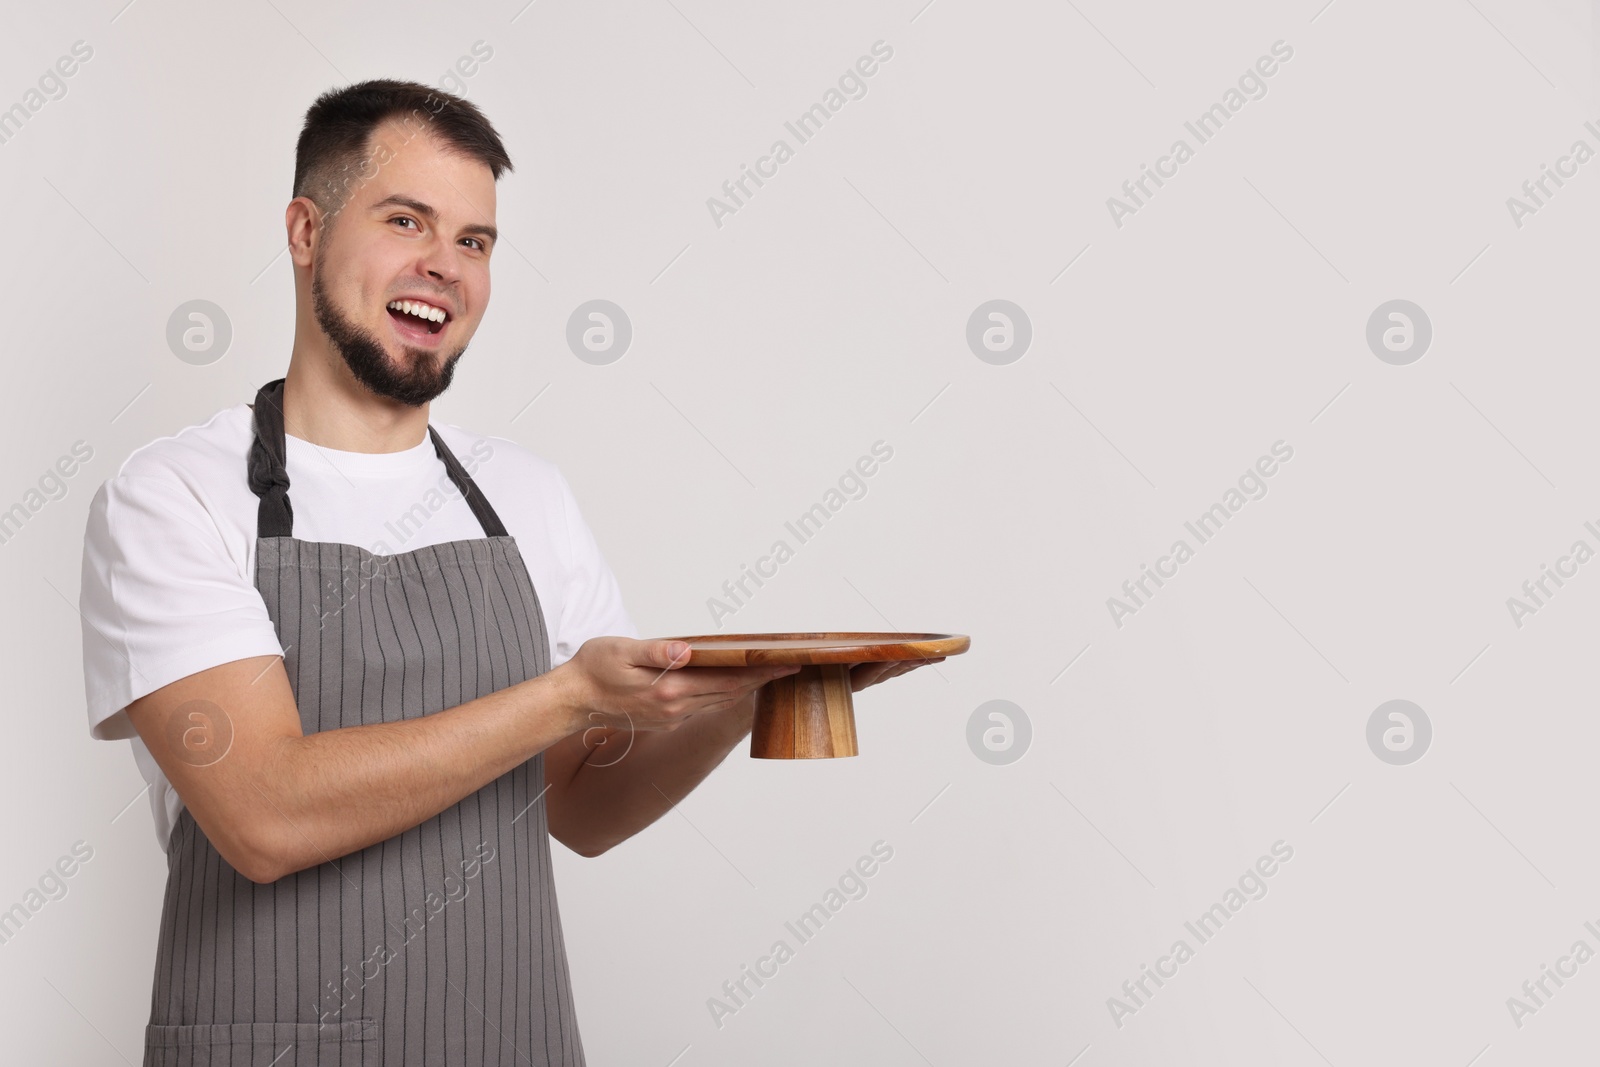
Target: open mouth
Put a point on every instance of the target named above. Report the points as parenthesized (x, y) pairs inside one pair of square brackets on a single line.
[(415, 317)]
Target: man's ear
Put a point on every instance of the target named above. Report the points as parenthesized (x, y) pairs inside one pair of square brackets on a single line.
[(305, 225)]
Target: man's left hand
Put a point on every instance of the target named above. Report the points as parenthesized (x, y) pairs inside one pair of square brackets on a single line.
[(865, 674)]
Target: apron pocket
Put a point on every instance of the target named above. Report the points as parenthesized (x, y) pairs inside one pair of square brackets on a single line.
[(197, 1044)]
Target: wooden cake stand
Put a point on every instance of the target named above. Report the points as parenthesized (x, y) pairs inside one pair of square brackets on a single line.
[(809, 714)]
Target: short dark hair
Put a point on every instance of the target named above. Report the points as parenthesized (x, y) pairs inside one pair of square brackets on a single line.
[(331, 152)]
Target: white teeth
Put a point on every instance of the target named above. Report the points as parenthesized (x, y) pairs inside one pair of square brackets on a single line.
[(419, 309)]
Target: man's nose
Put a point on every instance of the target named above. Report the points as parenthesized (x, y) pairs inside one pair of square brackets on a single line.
[(441, 262)]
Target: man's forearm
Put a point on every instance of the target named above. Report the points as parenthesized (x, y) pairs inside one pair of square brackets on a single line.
[(327, 794), (607, 802)]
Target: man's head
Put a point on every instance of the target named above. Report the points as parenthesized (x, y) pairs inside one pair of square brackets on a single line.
[(394, 188)]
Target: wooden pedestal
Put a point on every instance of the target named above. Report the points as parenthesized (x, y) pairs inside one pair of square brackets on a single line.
[(806, 715)]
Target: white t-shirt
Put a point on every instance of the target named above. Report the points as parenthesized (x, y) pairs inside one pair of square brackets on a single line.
[(169, 553)]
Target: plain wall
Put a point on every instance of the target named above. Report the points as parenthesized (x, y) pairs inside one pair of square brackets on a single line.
[(1171, 348)]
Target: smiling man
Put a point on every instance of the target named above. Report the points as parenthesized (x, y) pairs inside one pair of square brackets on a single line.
[(358, 750)]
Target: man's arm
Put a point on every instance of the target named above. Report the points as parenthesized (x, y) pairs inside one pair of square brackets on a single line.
[(606, 784), (279, 801)]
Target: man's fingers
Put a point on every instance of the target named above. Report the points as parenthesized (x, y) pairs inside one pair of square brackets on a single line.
[(664, 656), (712, 681), (668, 654), (863, 675)]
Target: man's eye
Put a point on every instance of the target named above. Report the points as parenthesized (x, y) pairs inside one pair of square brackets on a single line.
[(404, 218), (477, 242)]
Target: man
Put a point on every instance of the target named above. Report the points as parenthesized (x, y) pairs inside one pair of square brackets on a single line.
[(358, 754)]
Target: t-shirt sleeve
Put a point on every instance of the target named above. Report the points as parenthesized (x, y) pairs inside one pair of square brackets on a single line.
[(593, 604), (160, 598)]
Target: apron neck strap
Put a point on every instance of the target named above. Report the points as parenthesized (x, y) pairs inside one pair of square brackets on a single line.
[(269, 476)]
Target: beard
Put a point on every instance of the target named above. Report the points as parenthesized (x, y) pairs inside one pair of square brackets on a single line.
[(415, 382)]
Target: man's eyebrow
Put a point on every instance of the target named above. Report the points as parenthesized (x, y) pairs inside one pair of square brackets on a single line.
[(427, 212)]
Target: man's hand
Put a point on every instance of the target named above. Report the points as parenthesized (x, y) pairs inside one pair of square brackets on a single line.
[(595, 805), (623, 683), (865, 674)]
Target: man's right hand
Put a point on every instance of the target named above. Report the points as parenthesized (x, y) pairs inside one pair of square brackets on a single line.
[(622, 683)]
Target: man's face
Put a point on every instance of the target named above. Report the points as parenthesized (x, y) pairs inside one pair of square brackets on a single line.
[(413, 223)]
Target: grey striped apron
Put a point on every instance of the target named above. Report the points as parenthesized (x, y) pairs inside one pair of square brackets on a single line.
[(441, 945)]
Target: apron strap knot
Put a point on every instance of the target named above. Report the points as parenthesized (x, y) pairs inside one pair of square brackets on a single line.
[(267, 470)]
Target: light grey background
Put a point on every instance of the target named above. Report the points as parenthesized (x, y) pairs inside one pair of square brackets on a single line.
[(769, 353)]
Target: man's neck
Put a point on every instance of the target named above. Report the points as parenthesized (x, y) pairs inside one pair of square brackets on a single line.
[(332, 409)]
